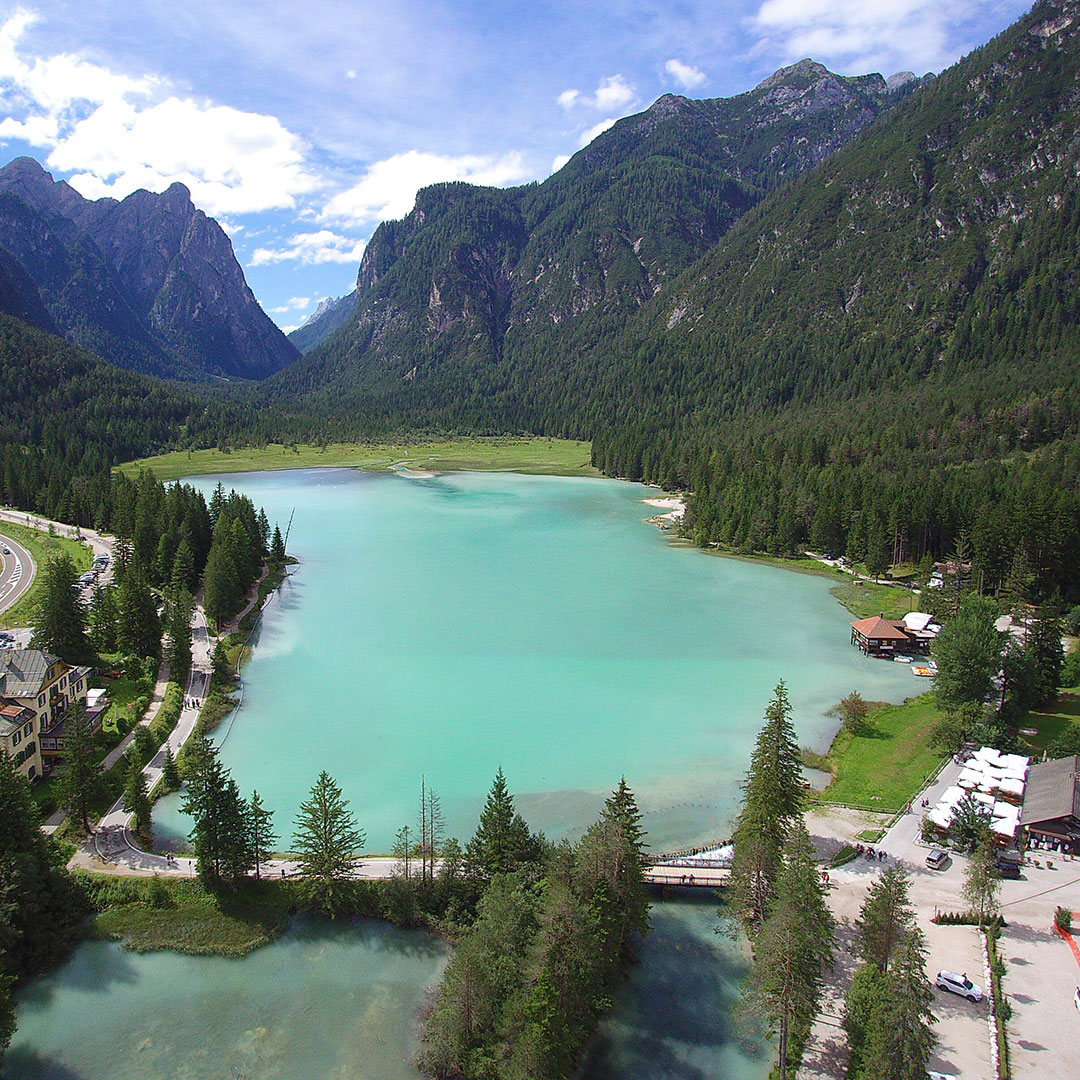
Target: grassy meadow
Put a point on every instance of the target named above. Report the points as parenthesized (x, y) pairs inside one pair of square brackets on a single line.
[(43, 547), (555, 457)]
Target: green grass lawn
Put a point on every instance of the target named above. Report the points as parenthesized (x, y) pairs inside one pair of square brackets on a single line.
[(559, 457), (43, 547), (884, 769), (1051, 722), (182, 916)]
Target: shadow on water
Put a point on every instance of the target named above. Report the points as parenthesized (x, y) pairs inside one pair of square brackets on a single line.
[(379, 936), (94, 966), (674, 1017), (26, 1063)]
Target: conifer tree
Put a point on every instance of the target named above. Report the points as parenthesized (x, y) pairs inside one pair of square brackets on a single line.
[(139, 630), (772, 803), (103, 620), (502, 841), (180, 608), (170, 774), (327, 841), (277, 547), (137, 799), (60, 623), (887, 918), (260, 830), (793, 950), (80, 776)]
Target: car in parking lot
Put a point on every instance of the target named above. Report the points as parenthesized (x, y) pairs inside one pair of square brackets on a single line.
[(937, 859), (959, 984)]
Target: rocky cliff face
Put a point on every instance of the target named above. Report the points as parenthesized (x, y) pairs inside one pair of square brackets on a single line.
[(148, 283)]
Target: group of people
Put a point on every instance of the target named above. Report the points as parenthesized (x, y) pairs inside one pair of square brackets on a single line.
[(192, 703), (870, 853)]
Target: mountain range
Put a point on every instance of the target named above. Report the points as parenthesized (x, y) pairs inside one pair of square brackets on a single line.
[(839, 311), (149, 282)]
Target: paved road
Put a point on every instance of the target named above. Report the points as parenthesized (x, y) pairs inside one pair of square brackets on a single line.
[(18, 573)]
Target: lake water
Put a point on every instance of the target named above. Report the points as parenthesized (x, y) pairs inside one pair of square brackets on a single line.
[(450, 625)]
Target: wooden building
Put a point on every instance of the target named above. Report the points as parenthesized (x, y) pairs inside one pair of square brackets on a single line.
[(878, 636), (1051, 811)]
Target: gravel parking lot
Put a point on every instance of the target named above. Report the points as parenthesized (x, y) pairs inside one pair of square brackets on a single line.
[(1041, 976), (963, 1041)]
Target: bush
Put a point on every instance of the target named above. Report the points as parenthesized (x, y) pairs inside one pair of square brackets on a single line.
[(1063, 919), (1070, 669)]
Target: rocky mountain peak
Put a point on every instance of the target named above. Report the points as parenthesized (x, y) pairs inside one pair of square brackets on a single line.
[(802, 72), (899, 79)]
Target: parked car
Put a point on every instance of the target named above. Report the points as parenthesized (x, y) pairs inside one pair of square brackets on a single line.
[(931, 1075), (1007, 864), (937, 859), (959, 984), (7, 551)]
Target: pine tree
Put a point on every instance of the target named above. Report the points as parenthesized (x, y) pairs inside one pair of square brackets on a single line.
[(277, 547), (103, 619), (260, 830), (139, 627), (327, 840), (137, 799), (81, 775), (183, 574), (502, 841), (170, 774), (793, 950), (180, 609), (887, 918), (60, 623), (42, 907), (772, 803), (968, 654)]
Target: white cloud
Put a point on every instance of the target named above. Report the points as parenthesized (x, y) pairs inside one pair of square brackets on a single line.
[(559, 162), (687, 76), (230, 228), (350, 74), (612, 94), (115, 133), (286, 330), (388, 189), (852, 33), (309, 249), (297, 303), (589, 134)]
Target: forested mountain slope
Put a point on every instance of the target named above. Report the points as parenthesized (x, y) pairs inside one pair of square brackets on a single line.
[(881, 354), (149, 283), (328, 316), (474, 275)]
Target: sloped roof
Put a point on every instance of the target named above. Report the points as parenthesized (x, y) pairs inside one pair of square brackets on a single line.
[(880, 629), (1053, 790), (23, 671)]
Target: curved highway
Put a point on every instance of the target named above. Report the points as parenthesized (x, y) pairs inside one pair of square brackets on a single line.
[(18, 573)]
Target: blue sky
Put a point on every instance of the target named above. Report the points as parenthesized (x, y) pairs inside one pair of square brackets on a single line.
[(300, 126)]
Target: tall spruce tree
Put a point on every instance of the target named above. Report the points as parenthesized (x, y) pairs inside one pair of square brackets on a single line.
[(260, 830), (137, 798), (982, 886), (180, 607), (327, 841), (772, 803), (60, 622), (792, 951), (502, 840), (81, 773)]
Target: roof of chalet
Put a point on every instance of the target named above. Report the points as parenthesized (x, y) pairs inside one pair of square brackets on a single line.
[(880, 629), (1053, 791), (12, 716), (23, 672)]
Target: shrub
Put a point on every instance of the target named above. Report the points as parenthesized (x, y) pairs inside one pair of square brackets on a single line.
[(1063, 919)]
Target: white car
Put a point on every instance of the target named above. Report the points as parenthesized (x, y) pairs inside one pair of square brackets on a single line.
[(959, 984)]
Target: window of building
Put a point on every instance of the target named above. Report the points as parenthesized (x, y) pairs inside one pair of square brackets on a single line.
[(41, 700), (28, 728), (33, 772), (16, 738), (63, 682)]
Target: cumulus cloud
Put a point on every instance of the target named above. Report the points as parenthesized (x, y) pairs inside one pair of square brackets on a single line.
[(388, 189), (559, 162), (612, 94), (310, 249), (885, 35), (115, 133), (297, 303), (686, 75)]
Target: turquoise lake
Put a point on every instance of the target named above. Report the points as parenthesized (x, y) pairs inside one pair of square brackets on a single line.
[(451, 625)]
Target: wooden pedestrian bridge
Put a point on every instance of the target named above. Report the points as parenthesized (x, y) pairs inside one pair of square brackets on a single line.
[(707, 867)]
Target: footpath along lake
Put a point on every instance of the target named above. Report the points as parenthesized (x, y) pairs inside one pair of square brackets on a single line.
[(454, 624)]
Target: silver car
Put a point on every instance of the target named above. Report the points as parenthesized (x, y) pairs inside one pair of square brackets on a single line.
[(959, 984)]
